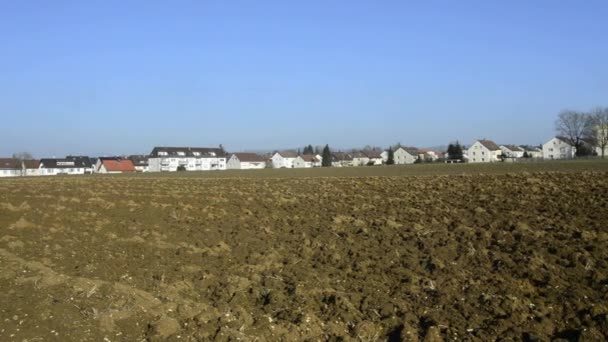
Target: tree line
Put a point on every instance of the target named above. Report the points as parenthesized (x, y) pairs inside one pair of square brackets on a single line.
[(584, 130)]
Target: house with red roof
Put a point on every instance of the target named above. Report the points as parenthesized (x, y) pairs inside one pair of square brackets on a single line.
[(116, 166)]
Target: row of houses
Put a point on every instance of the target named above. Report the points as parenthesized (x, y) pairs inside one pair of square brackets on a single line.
[(171, 159), (70, 165), (487, 151)]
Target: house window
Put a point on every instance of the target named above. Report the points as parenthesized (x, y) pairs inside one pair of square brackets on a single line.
[(562, 150)]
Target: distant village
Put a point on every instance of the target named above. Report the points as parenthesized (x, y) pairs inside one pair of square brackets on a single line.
[(175, 159)]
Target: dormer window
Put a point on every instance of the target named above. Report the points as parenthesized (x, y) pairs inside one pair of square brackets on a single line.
[(196, 153), (162, 153), (181, 153), (212, 154)]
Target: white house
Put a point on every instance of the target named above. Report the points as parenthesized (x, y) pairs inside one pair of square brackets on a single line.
[(306, 161), (283, 159), (341, 159), (31, 168), (533, 152), (558, 148), (89, 166), (429, 155), (171, 159), (368, 157), (51, 167), (10, 167), (140, 163), (402, 155), (484, 151), (116, 166), (246, 161), (512, 151)]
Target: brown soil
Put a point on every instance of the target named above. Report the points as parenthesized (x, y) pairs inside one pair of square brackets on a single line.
[(509, 257)]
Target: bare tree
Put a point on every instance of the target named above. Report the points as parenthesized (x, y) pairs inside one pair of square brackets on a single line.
[(600, 128), (575, 127), (22, 156)]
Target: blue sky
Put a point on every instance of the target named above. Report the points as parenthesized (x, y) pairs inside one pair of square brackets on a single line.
[(114, 77)]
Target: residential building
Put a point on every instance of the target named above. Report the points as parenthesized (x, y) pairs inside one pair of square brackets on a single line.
[(163, 159), (89, 165), (140, 163), (246, 161), (558, 148), (53, 166), (512, 151), (31, 168), (532, 151), (484, 151), (116, 166), (284, 159), (306, 161), (10, 167), (428, 155), (341, 159)]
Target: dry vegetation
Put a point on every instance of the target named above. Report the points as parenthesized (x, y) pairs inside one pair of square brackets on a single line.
[(444, 257)]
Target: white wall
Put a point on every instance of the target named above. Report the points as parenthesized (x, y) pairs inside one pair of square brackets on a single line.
[(480, 154), (401, 157), (171, 163), (558, 149), (279, 162)]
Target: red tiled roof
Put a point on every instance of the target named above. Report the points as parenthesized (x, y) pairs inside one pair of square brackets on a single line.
[(123, 165)]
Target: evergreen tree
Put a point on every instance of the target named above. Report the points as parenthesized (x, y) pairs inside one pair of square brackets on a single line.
[(391, 156), (455, 151), (326, 157)]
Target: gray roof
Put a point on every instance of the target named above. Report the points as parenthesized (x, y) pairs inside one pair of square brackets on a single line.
[(189, 152)]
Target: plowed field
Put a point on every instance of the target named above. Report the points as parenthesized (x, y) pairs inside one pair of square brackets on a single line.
[(458, 257)]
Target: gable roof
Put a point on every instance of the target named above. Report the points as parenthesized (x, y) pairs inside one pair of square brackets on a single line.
[(53, 163), (10, 164), (249, 157), (513, 148), (309, 158), (372, 154), (410, 150), (87, 162), (489, 144), (31, 163), (139, 160), (209, 152), (287, 154), (341, 156), (124, 165)]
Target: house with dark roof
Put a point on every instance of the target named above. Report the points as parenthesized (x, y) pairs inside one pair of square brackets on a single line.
[(307, 161), (140, 162), (163, 159), (484, 151), (341, 159), (246, 161), (367, 157), (10, 167), (31, 167), (89, 164), (512, 151), (53, 166), (283, 159)]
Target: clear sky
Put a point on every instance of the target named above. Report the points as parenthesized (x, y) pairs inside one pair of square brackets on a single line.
[(118, 77)]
